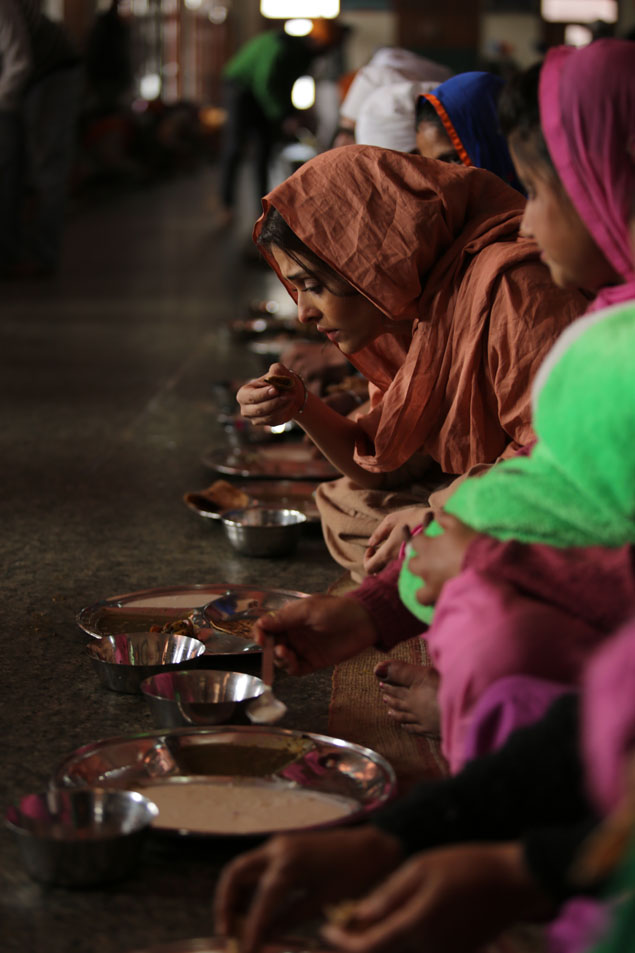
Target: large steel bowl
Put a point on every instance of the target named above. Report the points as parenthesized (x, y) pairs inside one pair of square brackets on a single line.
[(79, 838), (123, 661), (199, 697), (256, 531)]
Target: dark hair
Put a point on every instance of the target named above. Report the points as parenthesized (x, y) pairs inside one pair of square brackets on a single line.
[(275, 231), (425, 112), (519, 112)]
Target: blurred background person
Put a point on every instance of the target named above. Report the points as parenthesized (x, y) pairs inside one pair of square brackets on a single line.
[(387, 116), (15, 69), (388, 65), (109, 69), (458, 122), (45, 101), (257, 97)]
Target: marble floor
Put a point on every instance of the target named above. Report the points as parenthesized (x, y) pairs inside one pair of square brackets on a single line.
[(108, 403)]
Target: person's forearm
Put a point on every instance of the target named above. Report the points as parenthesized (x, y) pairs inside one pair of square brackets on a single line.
[(336, 437), (379, 594)]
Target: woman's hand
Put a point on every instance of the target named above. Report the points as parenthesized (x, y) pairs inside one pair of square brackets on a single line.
[(440, 558), (265, 405), (295, 875), (385, 542), (451, 900), (316, 632)]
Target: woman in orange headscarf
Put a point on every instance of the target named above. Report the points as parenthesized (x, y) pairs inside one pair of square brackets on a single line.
[(416, 271)]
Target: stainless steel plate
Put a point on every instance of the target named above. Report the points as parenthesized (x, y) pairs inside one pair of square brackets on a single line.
[(219, 604), (299, 758), (292, 494), (289, 461)]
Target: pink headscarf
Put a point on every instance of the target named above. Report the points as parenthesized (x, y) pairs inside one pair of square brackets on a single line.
[(587, 113)]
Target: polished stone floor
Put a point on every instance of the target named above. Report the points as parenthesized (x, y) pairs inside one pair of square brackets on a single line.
[(108, 403)]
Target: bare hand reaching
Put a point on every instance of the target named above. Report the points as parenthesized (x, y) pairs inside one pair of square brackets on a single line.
[(451, 900), (296, 875), (316, 632)]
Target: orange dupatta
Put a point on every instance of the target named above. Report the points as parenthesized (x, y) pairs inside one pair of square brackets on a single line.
[(436, 248)]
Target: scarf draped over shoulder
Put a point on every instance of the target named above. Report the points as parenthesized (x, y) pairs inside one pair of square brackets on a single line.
[(436, 248)]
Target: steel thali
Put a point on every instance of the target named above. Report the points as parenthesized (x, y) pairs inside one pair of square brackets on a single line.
[(222, 614), (266, 757), (273, 461)]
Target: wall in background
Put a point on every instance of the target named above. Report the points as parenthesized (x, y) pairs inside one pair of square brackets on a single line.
[(370, 29), (522, 32)]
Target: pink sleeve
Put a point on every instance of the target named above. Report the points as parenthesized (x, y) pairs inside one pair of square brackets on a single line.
[(608, 717), (592, 583)]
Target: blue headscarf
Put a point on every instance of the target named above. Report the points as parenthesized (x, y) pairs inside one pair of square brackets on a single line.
[(467, 106)]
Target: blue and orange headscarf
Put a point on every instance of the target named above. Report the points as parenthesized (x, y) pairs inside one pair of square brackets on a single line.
[(467, 107)]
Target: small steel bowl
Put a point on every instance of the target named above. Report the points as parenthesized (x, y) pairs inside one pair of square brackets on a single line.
[(199, 697), (123, 661), (260, 531), (83, 837)]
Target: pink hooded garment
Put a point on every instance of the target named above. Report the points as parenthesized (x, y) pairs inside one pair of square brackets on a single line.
[(532, 609), (608, 718)]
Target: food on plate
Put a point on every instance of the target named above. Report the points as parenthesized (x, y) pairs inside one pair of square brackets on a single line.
[(247, 761), (238, 807), (226, 496), (240, 627), (280, 382), (176, 627), (341, 914)]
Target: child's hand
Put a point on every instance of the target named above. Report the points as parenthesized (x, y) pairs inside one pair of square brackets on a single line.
[(440, 558), (450, 900)]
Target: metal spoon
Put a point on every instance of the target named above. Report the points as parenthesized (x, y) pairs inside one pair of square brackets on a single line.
[(266, 709)]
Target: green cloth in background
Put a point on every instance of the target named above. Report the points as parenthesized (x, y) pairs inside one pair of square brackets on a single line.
[(578, 486), (268, 66)]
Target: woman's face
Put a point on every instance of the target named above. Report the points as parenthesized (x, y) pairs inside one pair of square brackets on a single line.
[(434, 143), (347, 318), (567, 247)]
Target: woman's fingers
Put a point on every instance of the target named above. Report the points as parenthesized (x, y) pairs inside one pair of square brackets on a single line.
[(275, 886), (375, 561), (251, 892), (385, 921), (234, 881), (381, 532)]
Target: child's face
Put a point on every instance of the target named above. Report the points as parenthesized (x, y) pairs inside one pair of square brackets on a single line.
[(567, 247)]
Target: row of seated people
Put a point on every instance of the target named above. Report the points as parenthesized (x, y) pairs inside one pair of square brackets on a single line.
[(457, 300)]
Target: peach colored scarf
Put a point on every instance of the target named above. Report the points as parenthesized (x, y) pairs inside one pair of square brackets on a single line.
[(436, 248)]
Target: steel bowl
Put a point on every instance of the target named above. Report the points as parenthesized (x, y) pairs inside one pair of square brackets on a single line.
[(199, 697), (83, 837), (123, 661), (261, 531)]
